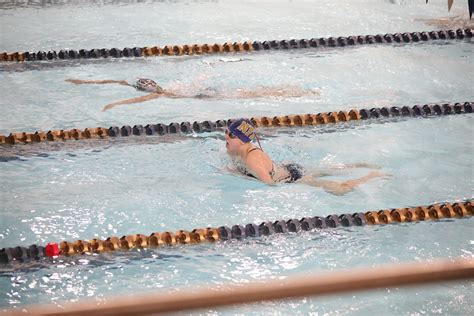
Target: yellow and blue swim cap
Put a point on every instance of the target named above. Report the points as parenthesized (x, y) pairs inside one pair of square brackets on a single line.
[(243, 129)]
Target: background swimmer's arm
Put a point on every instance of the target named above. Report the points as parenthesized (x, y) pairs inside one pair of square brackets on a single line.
[(147, 97), (78, 81)]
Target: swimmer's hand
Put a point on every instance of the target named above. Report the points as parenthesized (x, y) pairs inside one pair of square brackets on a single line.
[(108, 107)]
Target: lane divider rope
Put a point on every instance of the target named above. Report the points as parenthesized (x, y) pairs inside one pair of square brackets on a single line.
[(310, 283), (264, 121), (248, 46), (209, 234)]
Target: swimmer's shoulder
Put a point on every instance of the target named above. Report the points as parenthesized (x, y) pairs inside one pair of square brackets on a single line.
[(256, 152), (258, 159), (254, 149)]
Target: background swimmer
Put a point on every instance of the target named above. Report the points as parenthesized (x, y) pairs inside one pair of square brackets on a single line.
[(449, 22), (155, 91), (254, 162)]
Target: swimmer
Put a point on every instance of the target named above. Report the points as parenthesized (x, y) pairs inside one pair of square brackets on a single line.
[(254, 162), (145, 85), (155, 91)]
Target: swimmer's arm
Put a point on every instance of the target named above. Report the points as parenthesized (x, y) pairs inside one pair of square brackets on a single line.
[(147, 97), (79, 81), (259, 171)]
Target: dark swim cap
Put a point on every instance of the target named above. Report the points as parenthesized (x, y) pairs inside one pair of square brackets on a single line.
[(243, 129), (148, 85)]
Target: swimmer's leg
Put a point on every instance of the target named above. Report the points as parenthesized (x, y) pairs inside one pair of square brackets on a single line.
[(355, 166), (277, 91), (340, 169), (79, 81), (341, 188)]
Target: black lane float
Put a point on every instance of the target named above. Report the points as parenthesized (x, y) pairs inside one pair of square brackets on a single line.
[(264, 121), (237, 47), (211, 234)]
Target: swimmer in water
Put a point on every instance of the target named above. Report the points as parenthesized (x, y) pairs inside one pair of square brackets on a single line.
[(155, 91), (252, 161)]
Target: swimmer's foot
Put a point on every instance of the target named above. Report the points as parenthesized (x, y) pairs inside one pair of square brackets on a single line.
[(377, 174), (347, 186)]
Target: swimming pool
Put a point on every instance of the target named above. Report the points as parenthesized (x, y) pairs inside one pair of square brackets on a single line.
[(82, 190)]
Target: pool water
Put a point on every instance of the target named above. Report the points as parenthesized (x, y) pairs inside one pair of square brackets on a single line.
[(95, 189)]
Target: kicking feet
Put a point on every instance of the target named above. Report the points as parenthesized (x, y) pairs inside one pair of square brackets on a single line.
[(341, 188), (377, 174)]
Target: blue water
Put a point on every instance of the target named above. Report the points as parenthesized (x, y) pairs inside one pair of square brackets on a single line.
[(95, 189)]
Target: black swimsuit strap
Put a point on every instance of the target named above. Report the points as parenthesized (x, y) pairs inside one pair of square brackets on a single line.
[(255, 148)]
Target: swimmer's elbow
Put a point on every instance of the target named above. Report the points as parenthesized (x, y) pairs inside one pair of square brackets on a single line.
[(268, 181)]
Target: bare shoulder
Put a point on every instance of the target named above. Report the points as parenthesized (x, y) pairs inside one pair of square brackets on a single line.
[(256, 153), (258, 158)]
